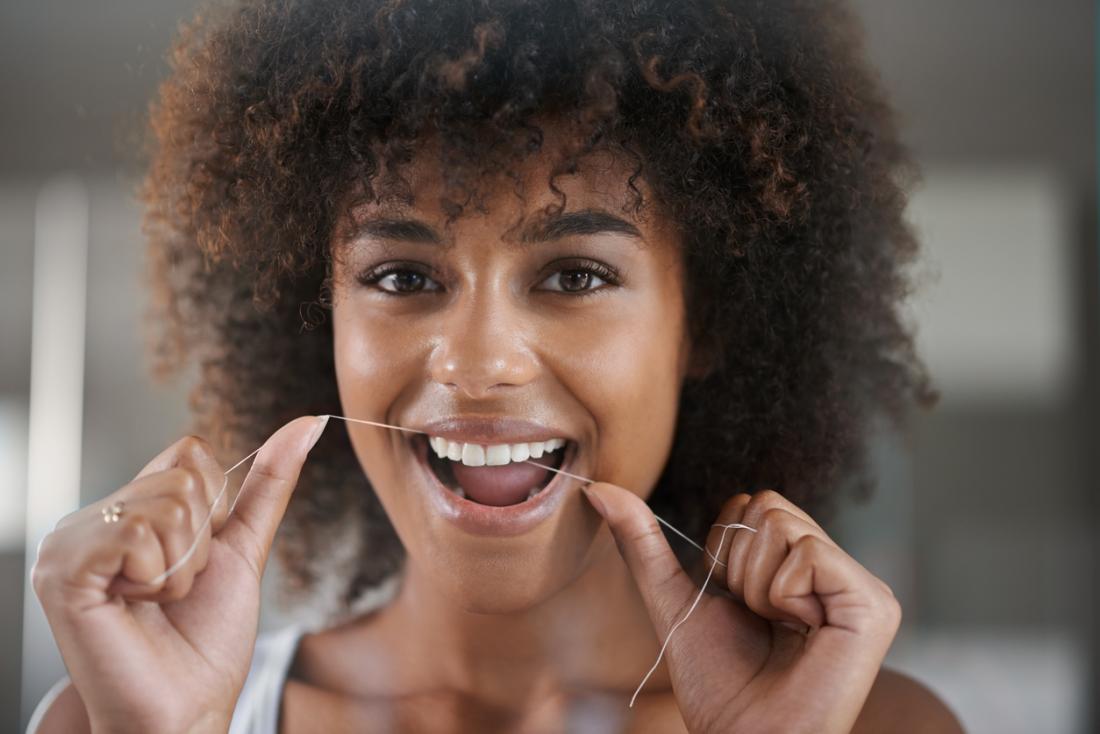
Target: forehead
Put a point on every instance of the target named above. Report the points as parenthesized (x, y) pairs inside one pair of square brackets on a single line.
[(518, 199)]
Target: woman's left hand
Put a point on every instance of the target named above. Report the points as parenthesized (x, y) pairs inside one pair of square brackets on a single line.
[(753, 666)]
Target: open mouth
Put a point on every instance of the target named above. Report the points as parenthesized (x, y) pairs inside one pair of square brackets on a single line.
[(507, 481)]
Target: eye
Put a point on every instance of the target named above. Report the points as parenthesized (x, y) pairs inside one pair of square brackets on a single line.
[(399, 279), (582, 278)]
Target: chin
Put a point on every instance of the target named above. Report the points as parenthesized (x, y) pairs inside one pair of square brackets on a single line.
[(495, 577)]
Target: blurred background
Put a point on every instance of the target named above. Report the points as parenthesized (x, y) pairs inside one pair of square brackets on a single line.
[(986, 519)]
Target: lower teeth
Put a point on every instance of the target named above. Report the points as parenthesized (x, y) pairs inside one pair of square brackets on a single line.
[(462, 493)]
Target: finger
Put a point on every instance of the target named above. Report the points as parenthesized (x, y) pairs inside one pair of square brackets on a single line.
[(777, 532), (720, 539), (144, 561), (665, 587), (196, 453), (184, 541), (750, 510), (76, 565), (167, 458), (854, 616), (266, 490), (824, 586), (174, 502)]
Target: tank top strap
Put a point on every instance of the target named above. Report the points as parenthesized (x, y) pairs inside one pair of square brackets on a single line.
[(257, 710)]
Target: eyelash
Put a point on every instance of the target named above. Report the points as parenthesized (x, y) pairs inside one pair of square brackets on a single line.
[(606, 273), (371, 276)]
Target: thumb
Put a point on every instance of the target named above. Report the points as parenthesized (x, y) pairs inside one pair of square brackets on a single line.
[(266, 490), (665, 587)]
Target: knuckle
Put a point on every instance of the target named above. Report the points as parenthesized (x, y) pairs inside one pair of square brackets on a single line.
[(194, 447), (175, 512), (193, 488), (895, 610), (43, 573), (194, 443), (889, 606), (185, 480), (769, 498), (760, 503), (734, 504), (774, 519), (47, 549), (135, 529), (807, 547), (177, 476), (70, 518)]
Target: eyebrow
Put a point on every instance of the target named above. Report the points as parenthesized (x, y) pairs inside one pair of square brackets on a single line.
[(583, 222), (396, 228), (567, 224)]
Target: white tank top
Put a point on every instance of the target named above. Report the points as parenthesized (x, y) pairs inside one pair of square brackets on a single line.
[(257, 709)]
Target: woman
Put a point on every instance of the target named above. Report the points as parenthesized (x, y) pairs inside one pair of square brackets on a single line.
[(660, 241)]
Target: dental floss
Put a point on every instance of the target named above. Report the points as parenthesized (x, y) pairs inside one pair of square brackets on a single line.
[(725, 528)]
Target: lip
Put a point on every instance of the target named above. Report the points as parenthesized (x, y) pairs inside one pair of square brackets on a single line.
[(509, 520), (492, 430)]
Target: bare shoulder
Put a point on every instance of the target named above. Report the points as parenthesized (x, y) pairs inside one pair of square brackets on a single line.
[(65, 713), (898, 703)]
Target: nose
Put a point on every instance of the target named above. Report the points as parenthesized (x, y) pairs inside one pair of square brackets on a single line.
[(482, 346)]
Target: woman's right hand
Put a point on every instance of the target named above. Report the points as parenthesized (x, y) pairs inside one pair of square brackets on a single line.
[(171, 657)]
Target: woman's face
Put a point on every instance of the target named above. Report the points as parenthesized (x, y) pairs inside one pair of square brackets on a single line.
[(503, 317)]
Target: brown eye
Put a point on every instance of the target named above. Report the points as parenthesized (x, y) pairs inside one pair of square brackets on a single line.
[(581, 280), (398, 280), (575, 280), (405, 281)]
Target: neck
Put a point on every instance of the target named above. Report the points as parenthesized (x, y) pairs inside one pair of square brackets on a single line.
[(594, 634)]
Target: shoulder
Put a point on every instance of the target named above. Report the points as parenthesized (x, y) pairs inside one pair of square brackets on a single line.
[(899, 703)]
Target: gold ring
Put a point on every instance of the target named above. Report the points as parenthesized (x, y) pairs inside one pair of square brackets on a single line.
[(113, 512)]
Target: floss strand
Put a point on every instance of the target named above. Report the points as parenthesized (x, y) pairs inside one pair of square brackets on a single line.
[(716, 561)]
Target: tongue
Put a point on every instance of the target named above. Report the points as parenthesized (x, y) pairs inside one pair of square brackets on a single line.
[(498, 485)]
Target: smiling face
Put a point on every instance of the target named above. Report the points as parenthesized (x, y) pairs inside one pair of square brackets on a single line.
[(573, 323)]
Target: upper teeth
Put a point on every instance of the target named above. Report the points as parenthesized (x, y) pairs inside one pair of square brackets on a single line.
[(473, 454)]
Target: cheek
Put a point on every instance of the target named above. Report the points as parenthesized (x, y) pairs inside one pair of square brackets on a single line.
[(370, 362), (359, 364), (625, 371), (369, 358)]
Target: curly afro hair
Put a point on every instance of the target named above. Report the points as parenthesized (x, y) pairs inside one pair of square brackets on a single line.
[(757, 126)]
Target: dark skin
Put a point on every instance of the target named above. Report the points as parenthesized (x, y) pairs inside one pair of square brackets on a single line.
[(523, 633), (490, 333)]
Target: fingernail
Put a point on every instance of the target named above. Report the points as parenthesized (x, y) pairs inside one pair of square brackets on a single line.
[(801, 629), (595, 500), (322, 421)]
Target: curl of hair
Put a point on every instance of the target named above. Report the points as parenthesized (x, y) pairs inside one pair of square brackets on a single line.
[(758, 127)]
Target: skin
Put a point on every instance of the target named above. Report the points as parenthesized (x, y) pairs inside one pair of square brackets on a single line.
[(487, 634)]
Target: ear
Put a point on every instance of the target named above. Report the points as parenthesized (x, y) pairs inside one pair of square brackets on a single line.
[(699, 359)]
